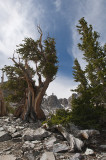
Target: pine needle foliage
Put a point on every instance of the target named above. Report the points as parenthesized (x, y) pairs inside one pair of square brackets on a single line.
[(89, 107)]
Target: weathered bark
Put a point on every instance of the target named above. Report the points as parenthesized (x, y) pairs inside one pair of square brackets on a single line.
[(38, 100), (26, 111), (33, 103), (29, 110), (32, 109), (2, 105)]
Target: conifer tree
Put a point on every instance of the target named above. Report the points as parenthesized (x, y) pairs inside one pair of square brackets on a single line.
[(21, 76), (95, 57), (89, 106)]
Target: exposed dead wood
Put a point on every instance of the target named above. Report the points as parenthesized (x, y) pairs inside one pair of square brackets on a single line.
[(2, 105)]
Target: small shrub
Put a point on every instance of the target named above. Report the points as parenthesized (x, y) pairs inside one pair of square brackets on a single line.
[(62, 117)]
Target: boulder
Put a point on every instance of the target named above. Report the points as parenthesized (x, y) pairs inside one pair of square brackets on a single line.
[(60, 147), (1, 128), (11, 129), (49, 143), (7, 119), (27, 146), (4, 136), (89, 151), (18, 128), (38, 134), (32, 145), (36, 142), (47, 156), (17, 134), (77, 156)]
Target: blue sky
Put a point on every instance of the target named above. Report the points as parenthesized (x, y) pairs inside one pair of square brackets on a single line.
[(19, 19)]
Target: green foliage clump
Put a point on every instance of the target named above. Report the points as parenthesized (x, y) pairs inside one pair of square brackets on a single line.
[(62, 117), (42, 54), (86, 115), (14, 88)]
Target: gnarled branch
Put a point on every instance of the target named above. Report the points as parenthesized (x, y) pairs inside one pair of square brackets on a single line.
[(39, 75), (40, 42), (26, 73)]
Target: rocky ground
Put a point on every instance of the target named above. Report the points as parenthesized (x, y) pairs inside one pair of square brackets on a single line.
[(23, 141)]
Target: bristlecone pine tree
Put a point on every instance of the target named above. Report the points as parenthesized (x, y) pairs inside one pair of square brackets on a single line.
[(92, 81), (21, 77)]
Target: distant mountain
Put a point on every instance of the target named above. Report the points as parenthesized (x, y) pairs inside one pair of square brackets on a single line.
[(52, 103)]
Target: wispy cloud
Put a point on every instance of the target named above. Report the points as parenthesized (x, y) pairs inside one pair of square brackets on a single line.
[(57, 3), (18, 20), (94, 13)]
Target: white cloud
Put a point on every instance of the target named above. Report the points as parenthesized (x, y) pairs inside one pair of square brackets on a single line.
[(61, 87)]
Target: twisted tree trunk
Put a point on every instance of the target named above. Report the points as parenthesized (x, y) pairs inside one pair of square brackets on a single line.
[(32, 109), (38, 100), (2, 104)]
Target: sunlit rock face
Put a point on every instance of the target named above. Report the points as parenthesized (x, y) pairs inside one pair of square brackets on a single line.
[(50, 104), (63, 102)]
